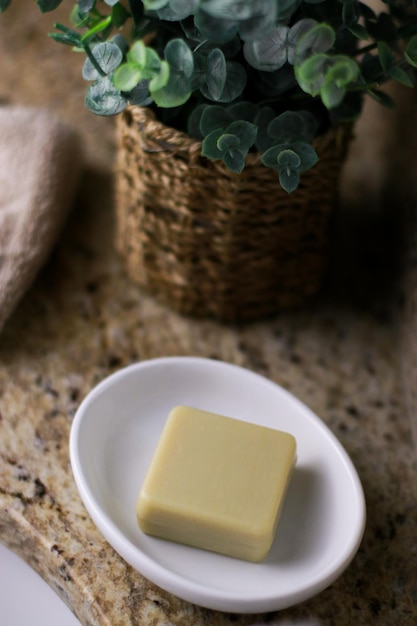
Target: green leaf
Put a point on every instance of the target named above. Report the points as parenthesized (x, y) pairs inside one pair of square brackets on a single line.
[(213, 29), (4, 4), (244, 111), (245, 131), (286, 127), (283, 154), (288, 158), (137, 54), (97, 29), (339, 75), (172, 95), (216, 74), (67, 36), (108, 56), (152, 65), (200, 70), (194, 121), (177, 10), (85, 5), (127, 76), (161, 79), (289, 179), (235, 160), (370, 68), (214, 117), (263, 118), (286, 8), (67, 39), (227, 141), (295, 33), (343, 70), (310, 74), (231, 144), (270, 157), (349, 13), (310, 124), (137, 11), (179, 57), (78, 19), (264, 16), (269, 53), (228, 9), (235, 81), (327, 75), (48, 5), (154, 5), (251, 19), (383, 29), (359, 31), (175, 93), (104, 99), (143, 63), (306, 153), (119, 15), (332, 95), (174, 84), (234, 85), (209, 146), (317, 40), (140, 94), (410, 52), (120, 41), (401, 76), (386, 57), (382, 98)]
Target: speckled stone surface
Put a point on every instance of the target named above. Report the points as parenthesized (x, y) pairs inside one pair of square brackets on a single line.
[(344, 357)]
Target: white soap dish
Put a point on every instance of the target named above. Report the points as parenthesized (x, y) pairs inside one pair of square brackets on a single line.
[(113, 437)]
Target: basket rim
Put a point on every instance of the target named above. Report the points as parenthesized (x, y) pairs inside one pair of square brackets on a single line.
[(171, 138)]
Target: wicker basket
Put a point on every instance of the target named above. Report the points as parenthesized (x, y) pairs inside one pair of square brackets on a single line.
[(212, 243)]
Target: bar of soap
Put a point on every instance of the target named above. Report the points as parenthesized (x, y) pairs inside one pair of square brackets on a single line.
[(216, 483)]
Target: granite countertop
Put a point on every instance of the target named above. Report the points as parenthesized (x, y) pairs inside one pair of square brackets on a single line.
[(350, 356)]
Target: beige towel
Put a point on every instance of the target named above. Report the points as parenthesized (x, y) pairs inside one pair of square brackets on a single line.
[(40, 159)]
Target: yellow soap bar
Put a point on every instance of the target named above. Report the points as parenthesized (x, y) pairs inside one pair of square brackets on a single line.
[(216, 483)]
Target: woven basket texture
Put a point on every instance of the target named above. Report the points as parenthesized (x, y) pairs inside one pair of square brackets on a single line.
[(211, 243)]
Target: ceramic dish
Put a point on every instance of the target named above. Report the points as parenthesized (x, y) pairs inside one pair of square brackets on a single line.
[(114, 435), (25, 598)]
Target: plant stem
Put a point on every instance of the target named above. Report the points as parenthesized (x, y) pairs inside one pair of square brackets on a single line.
[(366, 49), (136, 12), (92, 58)]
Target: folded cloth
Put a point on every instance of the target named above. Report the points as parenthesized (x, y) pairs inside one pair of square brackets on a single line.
[(40, 163)]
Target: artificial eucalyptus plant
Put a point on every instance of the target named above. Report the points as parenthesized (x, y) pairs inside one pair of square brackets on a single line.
[(243, 75)]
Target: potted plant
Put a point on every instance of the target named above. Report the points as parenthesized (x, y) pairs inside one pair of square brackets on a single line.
[(235, 118)]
